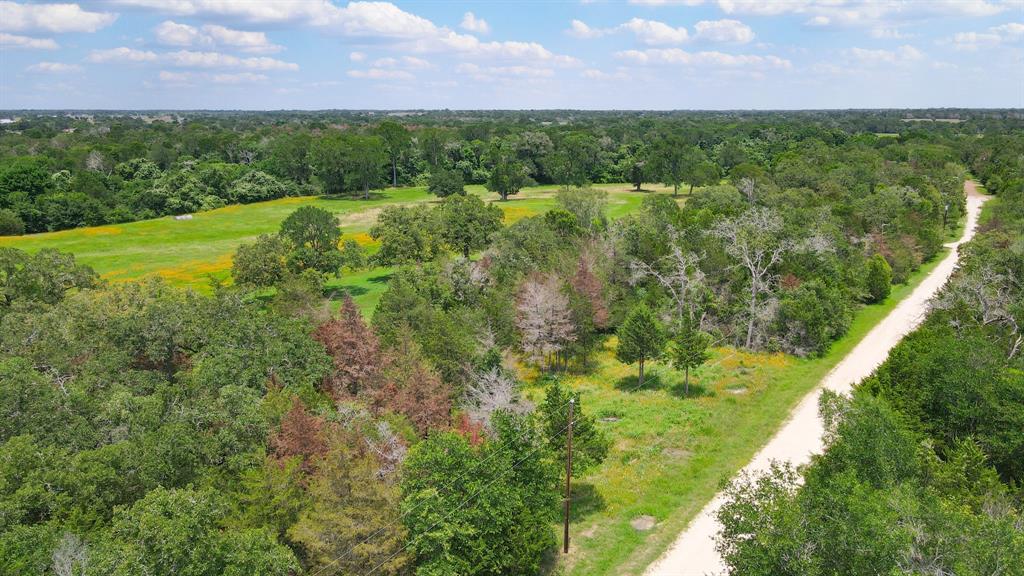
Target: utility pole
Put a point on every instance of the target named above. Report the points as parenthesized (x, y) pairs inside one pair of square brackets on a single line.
[(568, 477)]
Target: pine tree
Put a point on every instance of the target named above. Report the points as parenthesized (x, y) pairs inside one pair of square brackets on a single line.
[(689, 350), (641, 338), (355, 350)]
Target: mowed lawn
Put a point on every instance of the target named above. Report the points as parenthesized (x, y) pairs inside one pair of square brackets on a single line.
[(189, 252)]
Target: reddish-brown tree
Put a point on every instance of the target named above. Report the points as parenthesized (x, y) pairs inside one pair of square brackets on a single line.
[(355, 349), (589, 286), (410, 386), (301, 434)]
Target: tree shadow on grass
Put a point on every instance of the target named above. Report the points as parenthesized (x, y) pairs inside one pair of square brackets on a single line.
[(630, 383), (380, 279), (337, 293), (696, 391), (586, 500)]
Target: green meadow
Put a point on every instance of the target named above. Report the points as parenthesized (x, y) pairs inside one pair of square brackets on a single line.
[(188, 253)]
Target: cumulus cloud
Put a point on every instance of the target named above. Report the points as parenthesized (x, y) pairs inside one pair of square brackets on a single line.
[(408, 62), (174, 34), (905, 54), (726, 31), (858, 13), (488, 73), (677, 56), (239, 78), (655, 33), (195, 59), (56, 18), (381, 74), (121, 54), (473, 24), (580, 29), (16, 41), (1003, 34), (382, 21), (356, 56), (54, 68)]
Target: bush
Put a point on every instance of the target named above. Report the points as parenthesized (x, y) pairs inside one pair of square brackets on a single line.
[(262, 263), (444, 183), (879, 278), (10, 224)]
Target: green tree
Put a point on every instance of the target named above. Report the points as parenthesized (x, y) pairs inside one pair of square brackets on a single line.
[(589, 445), (329, 158), (487, 511), (314, 235), (508, 175), (444, 183), (468, 223), (407, 234), (10, 223), (256, 186), (668, 156), (689, 350), (262, 263), (396, 140), (366, 156), (641, 338), (879, 278)]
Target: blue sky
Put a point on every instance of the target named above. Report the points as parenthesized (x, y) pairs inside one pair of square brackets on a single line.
[(635, 54)]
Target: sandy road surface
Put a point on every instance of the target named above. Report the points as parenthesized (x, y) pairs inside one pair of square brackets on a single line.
[(693, 553)]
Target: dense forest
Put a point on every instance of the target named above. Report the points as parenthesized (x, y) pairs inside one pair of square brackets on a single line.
[(251, 430), (925, 463)]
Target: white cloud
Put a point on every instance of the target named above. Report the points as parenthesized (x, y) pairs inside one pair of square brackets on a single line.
[(729, 31), (54, 68), (356, 56), (253, 42), (580, 29), (863, 13), (408, 62), (595, 74), (16, 41), (1003, 34), (905, 54), (122, 54), (473, 24), (57, 18), (240, 78), (654, 33), (667, 2), (174, 77), (677, 56), (194, 59), (377, 20), (381, 74), (174, 34), (484, 73)]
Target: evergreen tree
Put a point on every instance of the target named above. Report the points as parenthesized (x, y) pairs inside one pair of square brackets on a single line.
[(689, 350), (879, 279), (641, 338)]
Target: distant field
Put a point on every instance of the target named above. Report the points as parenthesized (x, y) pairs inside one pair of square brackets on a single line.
[(189, 252)]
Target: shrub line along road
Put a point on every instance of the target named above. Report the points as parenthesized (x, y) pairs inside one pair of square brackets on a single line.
[(693, 553)]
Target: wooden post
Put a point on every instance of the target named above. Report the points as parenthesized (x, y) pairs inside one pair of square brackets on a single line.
[(568, 478)]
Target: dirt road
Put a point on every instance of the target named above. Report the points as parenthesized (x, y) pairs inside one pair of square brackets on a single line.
[(693, 553)]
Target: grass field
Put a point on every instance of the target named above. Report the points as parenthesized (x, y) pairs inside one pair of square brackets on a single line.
[(670, 454), (189, 252)]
